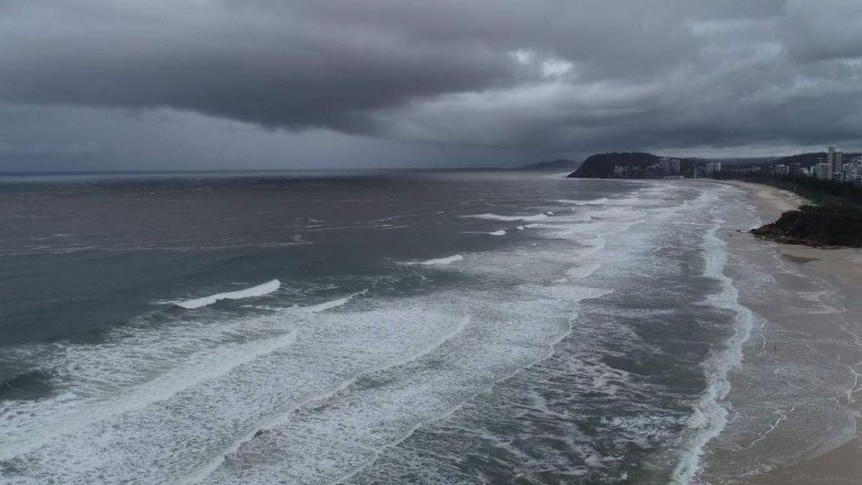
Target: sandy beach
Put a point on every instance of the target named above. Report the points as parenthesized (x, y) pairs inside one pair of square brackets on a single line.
[(844, 264), (832, 336)]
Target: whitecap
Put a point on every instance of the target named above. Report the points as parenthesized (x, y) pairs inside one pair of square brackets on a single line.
[(438, 261), (333, 303), (601, 201), (252, 292), (497, 217)]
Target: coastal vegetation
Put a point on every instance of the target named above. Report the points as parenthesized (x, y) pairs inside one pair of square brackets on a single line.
[(641, 165), (818, 226), (602, 164), (821, 192)]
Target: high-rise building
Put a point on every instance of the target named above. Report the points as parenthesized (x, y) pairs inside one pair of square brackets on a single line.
[(675, 166), (833, 158), (782, 169), (665, 165), (823, 171)]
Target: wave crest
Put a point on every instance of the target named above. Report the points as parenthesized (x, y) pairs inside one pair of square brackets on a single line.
[(252, 292)]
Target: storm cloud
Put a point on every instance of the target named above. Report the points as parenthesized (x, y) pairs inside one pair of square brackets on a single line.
[(527, 76)]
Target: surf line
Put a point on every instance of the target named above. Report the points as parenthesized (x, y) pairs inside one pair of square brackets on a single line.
[(709, 417)]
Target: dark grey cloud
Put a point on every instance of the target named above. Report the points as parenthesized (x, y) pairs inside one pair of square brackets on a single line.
[(523, 76)]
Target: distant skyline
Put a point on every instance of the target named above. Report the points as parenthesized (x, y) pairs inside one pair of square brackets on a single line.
[(296, 84)]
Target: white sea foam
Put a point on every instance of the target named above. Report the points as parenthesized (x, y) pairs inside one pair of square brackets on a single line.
[(599, 201), (179, 427), (709, 417), (255, 291), (501, 232), (781, 415), (196, 392), (159, 439), (497, 217), (581, 272), (333, 303), (438, 261), (77, 413), (396, 401)]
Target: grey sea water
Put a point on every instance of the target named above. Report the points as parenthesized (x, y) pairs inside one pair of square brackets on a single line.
[(393, 327)]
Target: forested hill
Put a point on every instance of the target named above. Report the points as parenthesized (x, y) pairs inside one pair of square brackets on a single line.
[(602, 165), (826, 226), (803, 159)]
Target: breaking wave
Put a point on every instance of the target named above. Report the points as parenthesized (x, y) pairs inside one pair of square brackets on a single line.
[(255, 291), (497, 217), (438, 261)]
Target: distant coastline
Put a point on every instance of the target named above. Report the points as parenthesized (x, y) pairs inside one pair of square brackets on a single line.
[(832, 172), (831, 218)]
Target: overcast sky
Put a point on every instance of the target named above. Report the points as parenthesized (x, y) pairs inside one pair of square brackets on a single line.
[(195, 84)]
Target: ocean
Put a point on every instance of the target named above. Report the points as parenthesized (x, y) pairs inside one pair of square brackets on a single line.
[(383, 327)]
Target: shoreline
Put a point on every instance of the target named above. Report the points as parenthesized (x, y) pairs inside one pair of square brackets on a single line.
[(839, 463), (845, 264)]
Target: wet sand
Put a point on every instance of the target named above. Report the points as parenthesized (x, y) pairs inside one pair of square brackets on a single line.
[(836, 340)]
